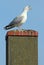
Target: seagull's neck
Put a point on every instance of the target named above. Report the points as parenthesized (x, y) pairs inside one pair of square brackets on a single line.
[(24, 13)]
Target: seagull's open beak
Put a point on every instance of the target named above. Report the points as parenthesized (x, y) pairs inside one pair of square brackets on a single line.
[(30, 8)]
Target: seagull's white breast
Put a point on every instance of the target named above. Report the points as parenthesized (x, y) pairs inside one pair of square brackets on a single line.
[(25, 18)]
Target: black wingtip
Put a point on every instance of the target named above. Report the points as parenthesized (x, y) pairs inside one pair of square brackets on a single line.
[(6, 28)]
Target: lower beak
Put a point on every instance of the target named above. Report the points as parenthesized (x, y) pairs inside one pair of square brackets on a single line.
[(30, 8)]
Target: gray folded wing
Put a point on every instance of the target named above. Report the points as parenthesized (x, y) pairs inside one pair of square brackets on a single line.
[(16, 20)]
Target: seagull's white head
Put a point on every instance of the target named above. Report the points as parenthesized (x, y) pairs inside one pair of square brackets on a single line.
[(27, 8)]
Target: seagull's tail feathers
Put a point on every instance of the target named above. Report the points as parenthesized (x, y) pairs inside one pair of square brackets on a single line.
[(8, 27)]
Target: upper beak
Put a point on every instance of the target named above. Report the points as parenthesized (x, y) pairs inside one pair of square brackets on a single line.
[(30, 8)]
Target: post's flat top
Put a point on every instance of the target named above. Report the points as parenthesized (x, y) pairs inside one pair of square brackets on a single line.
[(22, 33)]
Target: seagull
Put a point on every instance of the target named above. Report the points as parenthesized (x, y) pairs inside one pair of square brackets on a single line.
[(19, 20)]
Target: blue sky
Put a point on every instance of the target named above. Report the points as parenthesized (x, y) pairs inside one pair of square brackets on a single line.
[(10, 9)]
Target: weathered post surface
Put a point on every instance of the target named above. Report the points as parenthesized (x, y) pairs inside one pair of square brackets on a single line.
[(22, 47)]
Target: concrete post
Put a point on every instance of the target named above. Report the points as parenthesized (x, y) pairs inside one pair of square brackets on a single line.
[(22, 47)]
